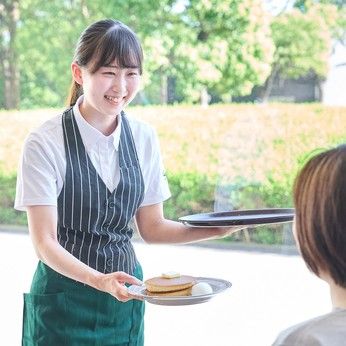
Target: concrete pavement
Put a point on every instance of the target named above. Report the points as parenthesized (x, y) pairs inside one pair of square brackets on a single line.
[(269, 292)]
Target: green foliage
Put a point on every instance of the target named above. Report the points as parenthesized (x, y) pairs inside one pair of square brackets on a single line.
[(302, 44), (231, 46), (7, 192), (224, 46), (191, 193), (243, 194), (46, 41), (304, 5), (2, 92), (267, 235), (277, 194), (197, 193)]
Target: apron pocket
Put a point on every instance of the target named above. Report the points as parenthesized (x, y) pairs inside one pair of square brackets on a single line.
[(44, 319)]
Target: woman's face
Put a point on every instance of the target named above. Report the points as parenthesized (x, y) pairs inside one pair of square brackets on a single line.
[(108, 90)]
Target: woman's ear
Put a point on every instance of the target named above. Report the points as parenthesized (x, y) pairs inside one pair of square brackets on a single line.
[(77, 73)]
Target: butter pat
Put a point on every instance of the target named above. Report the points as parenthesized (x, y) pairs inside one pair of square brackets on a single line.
[(170, 275)]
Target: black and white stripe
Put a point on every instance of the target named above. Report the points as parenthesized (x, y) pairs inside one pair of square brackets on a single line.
[(93, 222)]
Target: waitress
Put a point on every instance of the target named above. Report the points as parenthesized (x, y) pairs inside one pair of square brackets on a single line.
[(83, 176)]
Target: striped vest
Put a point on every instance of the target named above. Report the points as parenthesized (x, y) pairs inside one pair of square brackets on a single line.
[(93, 223)]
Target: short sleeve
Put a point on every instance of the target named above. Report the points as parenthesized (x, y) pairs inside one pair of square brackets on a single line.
[(36, 179), (155, 180)]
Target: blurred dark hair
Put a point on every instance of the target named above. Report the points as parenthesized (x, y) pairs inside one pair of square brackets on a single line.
[(101, 44), (320, 202)]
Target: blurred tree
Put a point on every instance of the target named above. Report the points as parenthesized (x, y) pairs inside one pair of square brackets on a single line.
[(230, 45), (191, 48), (302, 44), (9, 72), (46, 39), (338, 24), (304, 5), (49, 31), (235, 55)]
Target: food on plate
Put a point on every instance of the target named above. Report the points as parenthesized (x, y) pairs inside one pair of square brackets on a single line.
[(181, 293), (201, 288), (173, 284), (161, 284), (170, 274)]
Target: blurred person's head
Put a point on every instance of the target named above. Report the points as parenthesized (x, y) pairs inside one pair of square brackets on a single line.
[(320, 221)]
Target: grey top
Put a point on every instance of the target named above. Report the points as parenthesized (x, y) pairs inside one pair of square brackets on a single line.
[(325, 330)]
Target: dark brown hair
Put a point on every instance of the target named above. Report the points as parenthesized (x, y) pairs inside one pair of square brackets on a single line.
[(320, 202), (101, 44)]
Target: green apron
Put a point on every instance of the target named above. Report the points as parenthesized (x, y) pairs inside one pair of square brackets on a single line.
[(63, 312)]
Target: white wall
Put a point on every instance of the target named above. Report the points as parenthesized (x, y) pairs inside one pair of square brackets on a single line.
[(334, 89)]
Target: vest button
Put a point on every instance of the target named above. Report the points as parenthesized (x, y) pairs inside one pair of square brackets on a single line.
[(111, 205), (109, 262)]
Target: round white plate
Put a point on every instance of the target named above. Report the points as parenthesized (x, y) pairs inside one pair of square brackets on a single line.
[(218, 286)]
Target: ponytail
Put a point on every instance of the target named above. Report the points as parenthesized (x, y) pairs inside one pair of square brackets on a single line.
[(76, 90)]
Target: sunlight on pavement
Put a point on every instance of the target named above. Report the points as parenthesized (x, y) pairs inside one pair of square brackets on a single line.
[(269, 293)]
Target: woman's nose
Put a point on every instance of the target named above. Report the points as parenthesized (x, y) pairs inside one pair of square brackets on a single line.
[(119, 84)]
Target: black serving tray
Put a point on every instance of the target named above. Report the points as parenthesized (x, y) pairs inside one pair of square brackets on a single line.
[(239, 217)]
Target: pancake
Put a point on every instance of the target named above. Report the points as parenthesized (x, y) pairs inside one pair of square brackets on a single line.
[(180, 293), (160, 284)]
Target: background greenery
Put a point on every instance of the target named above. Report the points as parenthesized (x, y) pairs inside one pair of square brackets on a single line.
[(194, 50), (218, 157)]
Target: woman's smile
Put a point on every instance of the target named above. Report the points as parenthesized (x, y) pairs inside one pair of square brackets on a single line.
[(113, 99)]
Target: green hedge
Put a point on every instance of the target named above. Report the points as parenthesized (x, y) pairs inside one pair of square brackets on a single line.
[(191, 193), (8, 215), (197, 193)]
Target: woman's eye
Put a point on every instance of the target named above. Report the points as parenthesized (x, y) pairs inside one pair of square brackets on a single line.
[(109, 73)]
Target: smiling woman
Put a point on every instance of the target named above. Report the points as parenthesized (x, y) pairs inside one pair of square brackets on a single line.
[(84, 175), (107, 71), (106, 92)]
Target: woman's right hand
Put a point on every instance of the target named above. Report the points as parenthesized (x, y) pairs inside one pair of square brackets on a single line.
[(42, 221), (114, 284)]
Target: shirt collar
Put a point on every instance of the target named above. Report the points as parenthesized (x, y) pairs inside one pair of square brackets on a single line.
[(92, 136)]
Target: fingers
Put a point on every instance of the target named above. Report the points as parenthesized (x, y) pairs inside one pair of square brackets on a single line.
[(121, 293), (114, 284), (119, 290), (126, 278), (133, 296)]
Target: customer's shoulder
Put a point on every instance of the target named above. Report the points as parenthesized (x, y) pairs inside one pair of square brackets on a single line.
[(317, 331)]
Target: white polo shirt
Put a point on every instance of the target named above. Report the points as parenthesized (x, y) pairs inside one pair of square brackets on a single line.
[(41, 172)]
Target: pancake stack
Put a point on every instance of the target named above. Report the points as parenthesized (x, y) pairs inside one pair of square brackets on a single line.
[(170, 285)]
